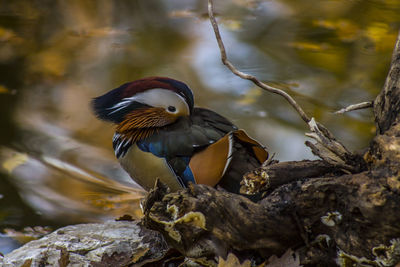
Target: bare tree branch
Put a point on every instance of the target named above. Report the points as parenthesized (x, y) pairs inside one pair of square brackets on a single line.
[(246, 76), (362, 105), (330, 150), (327, 147)]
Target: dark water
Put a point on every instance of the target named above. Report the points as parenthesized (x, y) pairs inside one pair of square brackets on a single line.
[(56, 159)]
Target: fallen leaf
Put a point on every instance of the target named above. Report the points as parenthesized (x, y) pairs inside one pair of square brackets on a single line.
[(289, 259), (232, 261)]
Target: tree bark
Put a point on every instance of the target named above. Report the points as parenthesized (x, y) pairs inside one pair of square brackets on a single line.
[(387, 103)]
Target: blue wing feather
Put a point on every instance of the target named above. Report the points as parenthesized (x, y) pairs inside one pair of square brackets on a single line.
[(156, 148), (188, 176)]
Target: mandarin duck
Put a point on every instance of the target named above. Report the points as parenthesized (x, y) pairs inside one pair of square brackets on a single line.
[(160, 134)]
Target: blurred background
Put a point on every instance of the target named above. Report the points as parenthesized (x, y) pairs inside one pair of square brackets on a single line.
[(56, 159)]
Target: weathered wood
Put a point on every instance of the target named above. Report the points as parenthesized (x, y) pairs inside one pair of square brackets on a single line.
[(349, 209), (271, 176), (331, 151), (387, 103), (102, 244), (205, 214)]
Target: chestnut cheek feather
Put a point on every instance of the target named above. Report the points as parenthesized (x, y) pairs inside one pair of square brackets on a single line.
[(144, 122), (146, 118)]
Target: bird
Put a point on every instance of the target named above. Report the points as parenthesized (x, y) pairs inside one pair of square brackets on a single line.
[(160, 134)]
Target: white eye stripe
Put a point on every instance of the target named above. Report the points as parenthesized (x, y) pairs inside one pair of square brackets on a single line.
[(157, 97), (125, 102), (182, 98)]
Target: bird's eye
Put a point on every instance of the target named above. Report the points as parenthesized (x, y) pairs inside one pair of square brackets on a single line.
[(171, 109)]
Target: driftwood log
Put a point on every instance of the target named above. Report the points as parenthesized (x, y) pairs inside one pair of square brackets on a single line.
[(326, 214), (113, 243)]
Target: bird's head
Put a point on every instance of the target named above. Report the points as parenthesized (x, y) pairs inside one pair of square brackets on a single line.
[(140, 107)]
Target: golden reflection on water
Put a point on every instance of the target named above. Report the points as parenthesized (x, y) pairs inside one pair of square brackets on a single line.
[(55, 58)]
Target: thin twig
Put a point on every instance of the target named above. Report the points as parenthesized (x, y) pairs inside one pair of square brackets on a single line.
[(327, 147), (246, 76), (268, 161), (362, 105)]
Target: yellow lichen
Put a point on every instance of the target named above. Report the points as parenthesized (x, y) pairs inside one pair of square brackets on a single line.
[(331, 218), (378, 199), (384, 256), (387, 255), (169, 228), (348, 260), (173, 210), (394, 183), (254, 181), (139, 253), (264, 175), (323, 240), (196, 219)]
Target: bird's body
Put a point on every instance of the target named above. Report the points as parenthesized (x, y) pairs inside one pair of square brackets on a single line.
[(160, 134)]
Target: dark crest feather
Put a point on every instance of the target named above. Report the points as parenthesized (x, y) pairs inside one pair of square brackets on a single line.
[(102, 105)]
